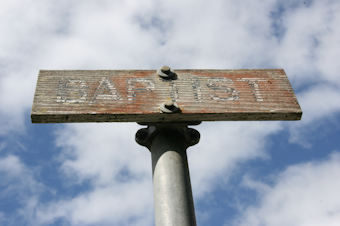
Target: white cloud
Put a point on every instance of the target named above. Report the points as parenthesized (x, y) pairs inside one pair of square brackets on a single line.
[(11, 165), (102, 152), (127, 203), (222, 147), (15, 91), (102, 35), (13, 170), (330, 45), (204, 35), (19, 187), (118, 169), (303, 194), (308, 48), (26, 26), (320, 103), (120, 190)]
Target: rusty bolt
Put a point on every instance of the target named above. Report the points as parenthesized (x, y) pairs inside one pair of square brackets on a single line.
[(166, 73), (169, 107)]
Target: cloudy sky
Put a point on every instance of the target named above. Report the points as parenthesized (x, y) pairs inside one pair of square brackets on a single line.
[(243, 173)]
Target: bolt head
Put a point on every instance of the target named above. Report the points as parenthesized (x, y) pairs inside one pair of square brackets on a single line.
[(169, 107), (169, 104), (165, 69), (166, 73)]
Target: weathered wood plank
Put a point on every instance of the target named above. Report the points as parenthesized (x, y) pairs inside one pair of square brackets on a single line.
[(136, 96)]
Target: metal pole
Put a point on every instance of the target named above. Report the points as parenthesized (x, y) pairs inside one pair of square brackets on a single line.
[(173, 199)]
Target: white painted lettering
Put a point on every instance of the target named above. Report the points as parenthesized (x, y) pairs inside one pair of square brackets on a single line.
[(133, 83), (222, 89), (253, 83), (72, 91), (196, 89), (174, 92), (106, 91)]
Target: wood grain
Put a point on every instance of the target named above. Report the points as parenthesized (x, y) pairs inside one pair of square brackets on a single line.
[(136, 96)]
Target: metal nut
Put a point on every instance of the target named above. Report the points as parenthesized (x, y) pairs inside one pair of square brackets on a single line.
[(169, 107), (166, 73)]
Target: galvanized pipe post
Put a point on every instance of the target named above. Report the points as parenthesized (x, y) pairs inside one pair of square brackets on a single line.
[(173, 199)]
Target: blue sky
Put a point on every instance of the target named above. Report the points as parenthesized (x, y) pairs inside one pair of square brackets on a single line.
[(243, 173)]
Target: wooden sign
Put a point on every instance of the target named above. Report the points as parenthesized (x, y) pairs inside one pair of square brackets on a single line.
[(137, 95)]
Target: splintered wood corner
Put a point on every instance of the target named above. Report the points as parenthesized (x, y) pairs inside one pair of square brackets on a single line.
[(136, 96)]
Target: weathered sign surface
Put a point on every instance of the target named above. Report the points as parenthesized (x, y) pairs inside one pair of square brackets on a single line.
[(136, 96)]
